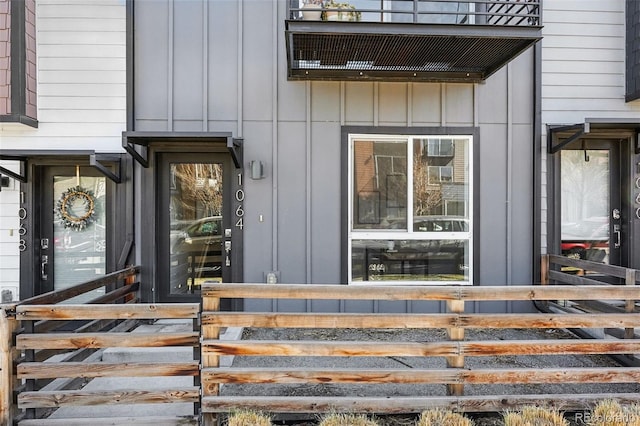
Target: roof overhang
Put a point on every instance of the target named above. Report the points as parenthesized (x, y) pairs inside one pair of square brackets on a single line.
[(561, 136), (137, 143), (321, 50), (109, 164)]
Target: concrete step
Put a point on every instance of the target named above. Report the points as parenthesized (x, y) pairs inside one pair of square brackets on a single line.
[(166, 354)]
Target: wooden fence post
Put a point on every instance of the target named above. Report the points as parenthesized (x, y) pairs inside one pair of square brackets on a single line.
[(455, 334), (8, 326), (630, 304), (209, 360), (544, 270)]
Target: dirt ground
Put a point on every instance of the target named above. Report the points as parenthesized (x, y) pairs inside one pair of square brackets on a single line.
[(391, 390)]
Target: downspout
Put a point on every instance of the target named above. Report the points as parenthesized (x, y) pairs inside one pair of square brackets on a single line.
[(509, 188), (274, 137)]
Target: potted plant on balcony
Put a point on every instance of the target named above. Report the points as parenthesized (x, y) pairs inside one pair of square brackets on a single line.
[(337, 11), (312, 10)]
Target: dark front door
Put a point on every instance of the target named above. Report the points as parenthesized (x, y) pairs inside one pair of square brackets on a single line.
[(70, 238), (593, 222), (196, 231)]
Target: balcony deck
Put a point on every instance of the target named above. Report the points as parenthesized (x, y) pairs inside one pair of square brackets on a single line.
[(409, 40)]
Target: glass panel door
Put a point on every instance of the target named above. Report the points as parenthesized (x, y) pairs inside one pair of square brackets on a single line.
[(195, 225), (590, 210), (72, 241)]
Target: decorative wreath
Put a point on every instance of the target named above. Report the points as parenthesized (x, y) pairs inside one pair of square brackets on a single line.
[(76, 220)]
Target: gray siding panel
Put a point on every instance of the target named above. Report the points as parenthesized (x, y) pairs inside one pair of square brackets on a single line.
[(492, 102), (325, 101), (325, 203), (222, 74), (257, 73), (359, 103), (459, 104), (188, 62), (152, 61), (292, 209), (426, 104), (218, 74)]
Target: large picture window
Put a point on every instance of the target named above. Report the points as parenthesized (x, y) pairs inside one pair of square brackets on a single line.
[(410, 208)]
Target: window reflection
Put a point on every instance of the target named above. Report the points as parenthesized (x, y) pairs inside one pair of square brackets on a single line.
[(380, 182), (196, 225), (418, 260), (411, 224)]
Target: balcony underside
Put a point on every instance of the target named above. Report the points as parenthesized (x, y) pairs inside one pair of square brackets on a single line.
[(402, 52)]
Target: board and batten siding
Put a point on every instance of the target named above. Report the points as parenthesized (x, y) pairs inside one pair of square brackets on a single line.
[(583, 66), (220, 66), (81, 52)]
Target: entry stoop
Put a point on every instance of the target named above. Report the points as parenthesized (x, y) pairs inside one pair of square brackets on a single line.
[(167, 354), (127, 355)]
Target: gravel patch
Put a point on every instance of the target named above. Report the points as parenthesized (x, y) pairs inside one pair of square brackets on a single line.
[(396, 390)]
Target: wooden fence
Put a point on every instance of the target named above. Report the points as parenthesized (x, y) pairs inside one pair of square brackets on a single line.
[(57, 346), (35, 330), (455, 349)]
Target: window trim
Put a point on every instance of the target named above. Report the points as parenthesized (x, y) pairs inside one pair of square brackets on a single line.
[(351, 234)]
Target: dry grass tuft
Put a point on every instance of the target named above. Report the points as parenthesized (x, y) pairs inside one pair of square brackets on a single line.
[(610, 413), (248, 418), (535, 416), (347, 420), (437, 417)]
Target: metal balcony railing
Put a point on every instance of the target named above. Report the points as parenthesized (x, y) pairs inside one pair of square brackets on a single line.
[(460, 12)]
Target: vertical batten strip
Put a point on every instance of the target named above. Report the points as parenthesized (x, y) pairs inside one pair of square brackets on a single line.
[(509, 188), (308, 187), (170, 64), (205, 65)]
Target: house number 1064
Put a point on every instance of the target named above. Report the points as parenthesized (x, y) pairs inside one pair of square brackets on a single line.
[(239, 199)]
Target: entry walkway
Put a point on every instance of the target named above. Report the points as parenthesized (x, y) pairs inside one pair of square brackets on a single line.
[(126, 355)]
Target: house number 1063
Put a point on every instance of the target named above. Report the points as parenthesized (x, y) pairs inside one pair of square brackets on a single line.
[(239, 199)]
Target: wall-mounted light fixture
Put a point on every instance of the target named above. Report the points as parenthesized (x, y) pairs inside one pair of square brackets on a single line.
[(256, 169), (4, 182)]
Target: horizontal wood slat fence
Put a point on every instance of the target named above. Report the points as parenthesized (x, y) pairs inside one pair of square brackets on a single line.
[(53, 346), (455, 349), (574, 295)]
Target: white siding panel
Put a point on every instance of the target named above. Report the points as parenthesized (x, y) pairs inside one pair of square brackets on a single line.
[(584, 5), (80, 51), (582, 42), (79, 24), (92, 38), (565, 54), (87, 116), (76, 143), (592, 105), (88, 9), (80, 102), (579, 16), (579, 29), (82, 64), (53, 130), (567, 79), (73, 77), (83, 90), (590, 67), (582, 92)]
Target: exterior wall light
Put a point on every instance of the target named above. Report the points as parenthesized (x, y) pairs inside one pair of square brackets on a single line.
[(256, 170)]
